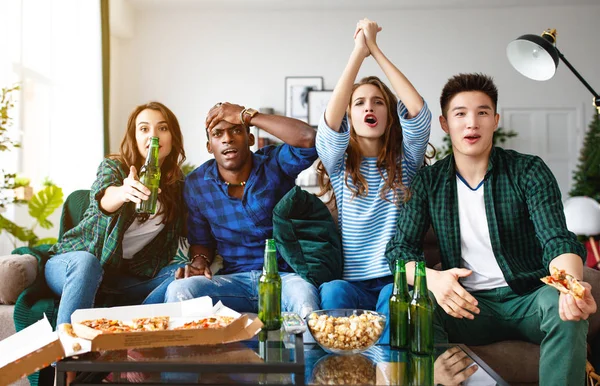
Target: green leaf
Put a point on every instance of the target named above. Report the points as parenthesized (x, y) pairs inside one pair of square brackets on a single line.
[(47, 240), (45, 223), (45, 202), (18, 232)]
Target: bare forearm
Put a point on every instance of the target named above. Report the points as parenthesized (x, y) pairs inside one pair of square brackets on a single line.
[(112, 199), (571, 263), (336, 108), (401, 85), (291, 131)]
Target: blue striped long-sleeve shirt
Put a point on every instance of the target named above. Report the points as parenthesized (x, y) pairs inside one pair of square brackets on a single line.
[(368, 222)]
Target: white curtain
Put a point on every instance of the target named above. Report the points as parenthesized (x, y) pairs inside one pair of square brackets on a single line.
[(52, 48)]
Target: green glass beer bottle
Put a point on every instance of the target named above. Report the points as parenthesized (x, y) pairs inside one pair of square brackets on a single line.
[(421, 314), (399, 304), (269, 290), (421, 370), (150, 178)]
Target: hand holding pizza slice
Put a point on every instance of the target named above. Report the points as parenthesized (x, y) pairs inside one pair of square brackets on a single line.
[(565, 283)]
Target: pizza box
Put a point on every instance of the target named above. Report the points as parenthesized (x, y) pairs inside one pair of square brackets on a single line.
[(34, 348), (241, 328), (37, 346)]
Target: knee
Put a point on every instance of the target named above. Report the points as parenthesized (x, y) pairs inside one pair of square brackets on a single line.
[(184, 289), (85, 265), (331, 288)]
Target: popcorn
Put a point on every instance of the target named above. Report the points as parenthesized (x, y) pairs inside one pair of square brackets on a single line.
[(346, 332), (344, 370)]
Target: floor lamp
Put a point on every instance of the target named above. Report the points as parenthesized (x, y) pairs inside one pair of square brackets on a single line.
[(583, 219), (536, 57)]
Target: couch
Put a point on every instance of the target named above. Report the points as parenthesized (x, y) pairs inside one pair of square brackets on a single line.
[(17, 272), (516, 361)]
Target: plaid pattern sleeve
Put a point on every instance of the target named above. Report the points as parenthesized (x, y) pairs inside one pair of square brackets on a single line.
[(101, 233), (547, 213), (413, 222)]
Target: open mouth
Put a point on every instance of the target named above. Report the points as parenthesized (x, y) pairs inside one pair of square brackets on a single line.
[(472, 138), (229, 153), (371, 120)]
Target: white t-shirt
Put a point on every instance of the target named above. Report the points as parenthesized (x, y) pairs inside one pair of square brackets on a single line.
[(475, 243), (139, 234)]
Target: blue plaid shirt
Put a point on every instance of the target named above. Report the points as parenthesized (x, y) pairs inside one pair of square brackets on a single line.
[(237, 229)]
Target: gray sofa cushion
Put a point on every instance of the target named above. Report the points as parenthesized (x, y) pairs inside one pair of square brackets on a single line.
[(17, 272)]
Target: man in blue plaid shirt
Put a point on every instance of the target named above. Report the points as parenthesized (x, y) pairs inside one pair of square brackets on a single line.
[(230, 201), (499, 220)]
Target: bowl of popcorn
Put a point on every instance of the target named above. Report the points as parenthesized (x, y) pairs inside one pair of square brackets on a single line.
[(345, 331)]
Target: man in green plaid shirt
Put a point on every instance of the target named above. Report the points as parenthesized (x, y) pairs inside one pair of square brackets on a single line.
[(499, 220)]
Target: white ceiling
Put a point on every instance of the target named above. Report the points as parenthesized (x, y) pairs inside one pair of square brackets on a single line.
[(347, 4)]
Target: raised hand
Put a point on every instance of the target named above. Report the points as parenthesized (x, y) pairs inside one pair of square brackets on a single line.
[(360, 44), (133, 190), (570, 308), (451, 296), (370, 29), (224, 112)]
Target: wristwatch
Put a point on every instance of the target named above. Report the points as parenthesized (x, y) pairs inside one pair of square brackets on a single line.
[(248, 114)]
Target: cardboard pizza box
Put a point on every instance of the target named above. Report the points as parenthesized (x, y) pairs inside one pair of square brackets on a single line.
[(34, 348), (37, 346), (241, 328)]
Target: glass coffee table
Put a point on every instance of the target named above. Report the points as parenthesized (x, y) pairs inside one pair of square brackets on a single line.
[(381, 365), (274, 358)]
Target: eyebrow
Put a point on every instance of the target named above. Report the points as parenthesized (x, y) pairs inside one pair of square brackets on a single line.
[(485, 107), (375, 97), (146, 123)]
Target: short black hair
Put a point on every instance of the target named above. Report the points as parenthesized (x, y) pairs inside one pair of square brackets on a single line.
[(247, 129), (468, 82)]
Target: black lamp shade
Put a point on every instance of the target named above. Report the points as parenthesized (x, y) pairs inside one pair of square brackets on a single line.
[(533, 56)]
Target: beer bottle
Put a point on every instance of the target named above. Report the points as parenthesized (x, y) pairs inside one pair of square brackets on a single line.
[(421, 314), (399, 303), (421, 370), (269, 290), (399, 368), (150, 178)]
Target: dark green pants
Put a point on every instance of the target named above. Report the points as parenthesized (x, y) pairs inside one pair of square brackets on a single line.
[(533, 318)]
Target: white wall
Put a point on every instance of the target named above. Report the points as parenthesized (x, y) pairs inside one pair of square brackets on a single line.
[(191, 59)]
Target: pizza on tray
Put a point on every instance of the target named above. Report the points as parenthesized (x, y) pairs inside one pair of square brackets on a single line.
[(209, 322), (140, 324), (565, 283)]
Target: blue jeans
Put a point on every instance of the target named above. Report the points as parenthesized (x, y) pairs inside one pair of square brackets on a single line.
[(371, 294), (77, 276), (239, 291)]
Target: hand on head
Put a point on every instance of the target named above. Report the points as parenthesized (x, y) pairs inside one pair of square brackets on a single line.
[(450, 368), (573, 309), (133, 190), (224, 112), (451, 296)]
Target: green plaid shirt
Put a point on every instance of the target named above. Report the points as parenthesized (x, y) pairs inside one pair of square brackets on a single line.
[(524, 215), (101, 233)]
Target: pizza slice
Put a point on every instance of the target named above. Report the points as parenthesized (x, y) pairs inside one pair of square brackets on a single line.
[(107, 325), (565, 283), (210, 322), (154, 323)]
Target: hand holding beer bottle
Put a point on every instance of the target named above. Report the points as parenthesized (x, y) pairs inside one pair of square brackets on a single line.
[(150, 178)]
